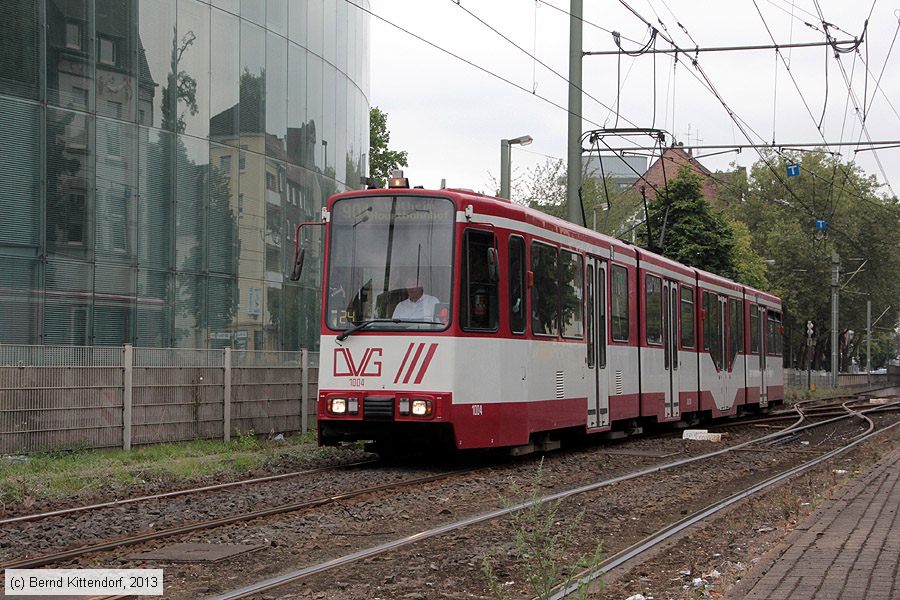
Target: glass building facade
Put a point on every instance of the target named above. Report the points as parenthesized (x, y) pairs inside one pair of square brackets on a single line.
[(156, 157)]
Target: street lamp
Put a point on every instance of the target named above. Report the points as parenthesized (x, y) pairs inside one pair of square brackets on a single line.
[(522, 140)]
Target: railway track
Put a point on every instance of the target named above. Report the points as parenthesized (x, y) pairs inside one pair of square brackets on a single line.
[(303, 573), (660, 537), (272, 478), (176, 493), (73, 553)]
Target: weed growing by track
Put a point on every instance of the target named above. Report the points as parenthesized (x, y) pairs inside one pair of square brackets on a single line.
[(82, 472), (544, 546)]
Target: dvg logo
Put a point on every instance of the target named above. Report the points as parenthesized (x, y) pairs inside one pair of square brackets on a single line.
[(346, 366)]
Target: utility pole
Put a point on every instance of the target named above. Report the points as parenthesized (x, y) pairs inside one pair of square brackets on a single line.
[(868, 342), (573, 175), (835, 288)]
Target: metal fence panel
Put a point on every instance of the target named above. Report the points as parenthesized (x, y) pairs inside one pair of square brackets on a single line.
[(798, 378), (176, 403), (60, 356), (73, 396), (54, 397), (265, 399), (178, 357)]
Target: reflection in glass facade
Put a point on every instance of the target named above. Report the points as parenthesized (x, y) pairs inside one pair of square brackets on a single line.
[(156, 159)]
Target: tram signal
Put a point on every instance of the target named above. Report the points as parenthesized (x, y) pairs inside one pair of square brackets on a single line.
[(810, 329)]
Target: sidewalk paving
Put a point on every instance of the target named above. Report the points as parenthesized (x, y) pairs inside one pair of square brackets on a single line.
[(848, 549)]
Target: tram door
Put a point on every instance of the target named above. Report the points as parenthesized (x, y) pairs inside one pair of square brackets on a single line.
[(763, 342), (670, 343), (598, 374), (722, 343)]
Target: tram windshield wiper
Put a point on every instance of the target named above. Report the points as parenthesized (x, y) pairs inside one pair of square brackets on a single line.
[(363, 324)]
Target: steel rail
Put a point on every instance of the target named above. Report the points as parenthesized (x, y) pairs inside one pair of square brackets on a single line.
[(662, 535), (198, 490), (304, 572), (861, 416), (47, 559), (786, 417)]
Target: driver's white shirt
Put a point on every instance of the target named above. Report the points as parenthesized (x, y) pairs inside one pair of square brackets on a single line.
[(421, 310)]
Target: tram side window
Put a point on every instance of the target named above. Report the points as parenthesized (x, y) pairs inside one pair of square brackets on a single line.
[(711, 328), (545, 292), (754, 329), (571, 286), (590, 315), (479, 293), (618, 310), (735, 330), (653, 302), (687, 317), (774, 340), (517, 284)]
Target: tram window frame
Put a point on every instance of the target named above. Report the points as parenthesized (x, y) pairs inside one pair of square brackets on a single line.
[(711, 333), (540, 296), (735, 330), (689, 324), (573, 330), (467, 284), (618, 300), (601, 316), (517, 324), (754, 328), (590, 295), (774, 339), (654, 305)]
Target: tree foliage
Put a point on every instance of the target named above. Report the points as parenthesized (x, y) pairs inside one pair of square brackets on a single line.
[(863, 226), (543, 187), (683, 227), (381, 159)]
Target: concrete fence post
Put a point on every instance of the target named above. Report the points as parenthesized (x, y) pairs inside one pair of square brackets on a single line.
[(226, 397), (304, 390), (127, 396)]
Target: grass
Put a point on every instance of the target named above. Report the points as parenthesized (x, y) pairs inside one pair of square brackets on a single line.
[(82, 472)]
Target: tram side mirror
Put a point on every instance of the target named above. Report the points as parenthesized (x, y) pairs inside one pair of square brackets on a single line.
[(493, 271), (298, 265)]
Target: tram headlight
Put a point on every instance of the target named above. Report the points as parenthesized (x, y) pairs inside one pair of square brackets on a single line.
[(337, 406), (404, 406), (353, 406), (421, 407)]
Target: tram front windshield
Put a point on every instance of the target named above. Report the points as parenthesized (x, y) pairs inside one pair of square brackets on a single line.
[(390, 262)]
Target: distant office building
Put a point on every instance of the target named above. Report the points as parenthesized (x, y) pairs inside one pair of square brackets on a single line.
[(623, 170), (157, 158)]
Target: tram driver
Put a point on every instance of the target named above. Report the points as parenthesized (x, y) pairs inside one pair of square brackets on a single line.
[(418, 305)]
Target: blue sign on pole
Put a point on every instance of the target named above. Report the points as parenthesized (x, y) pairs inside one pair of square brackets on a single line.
[(821, 224), (793, 170)]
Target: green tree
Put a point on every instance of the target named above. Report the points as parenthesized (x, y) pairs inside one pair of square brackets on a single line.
[(382, 160), (543, 187), (781, 213), (682, 226), (749, 267)]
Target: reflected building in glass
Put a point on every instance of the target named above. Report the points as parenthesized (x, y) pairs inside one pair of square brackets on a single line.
[(157, 158)]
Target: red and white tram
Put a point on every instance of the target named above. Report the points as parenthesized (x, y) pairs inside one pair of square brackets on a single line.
[(458, 318)]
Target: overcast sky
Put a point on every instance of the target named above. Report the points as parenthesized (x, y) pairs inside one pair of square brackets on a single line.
[(450, 116)]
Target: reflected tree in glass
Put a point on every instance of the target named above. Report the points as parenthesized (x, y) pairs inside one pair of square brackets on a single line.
[(180, 83)]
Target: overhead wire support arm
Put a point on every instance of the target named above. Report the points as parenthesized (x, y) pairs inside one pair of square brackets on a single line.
[(778, 146), (697, 50)]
